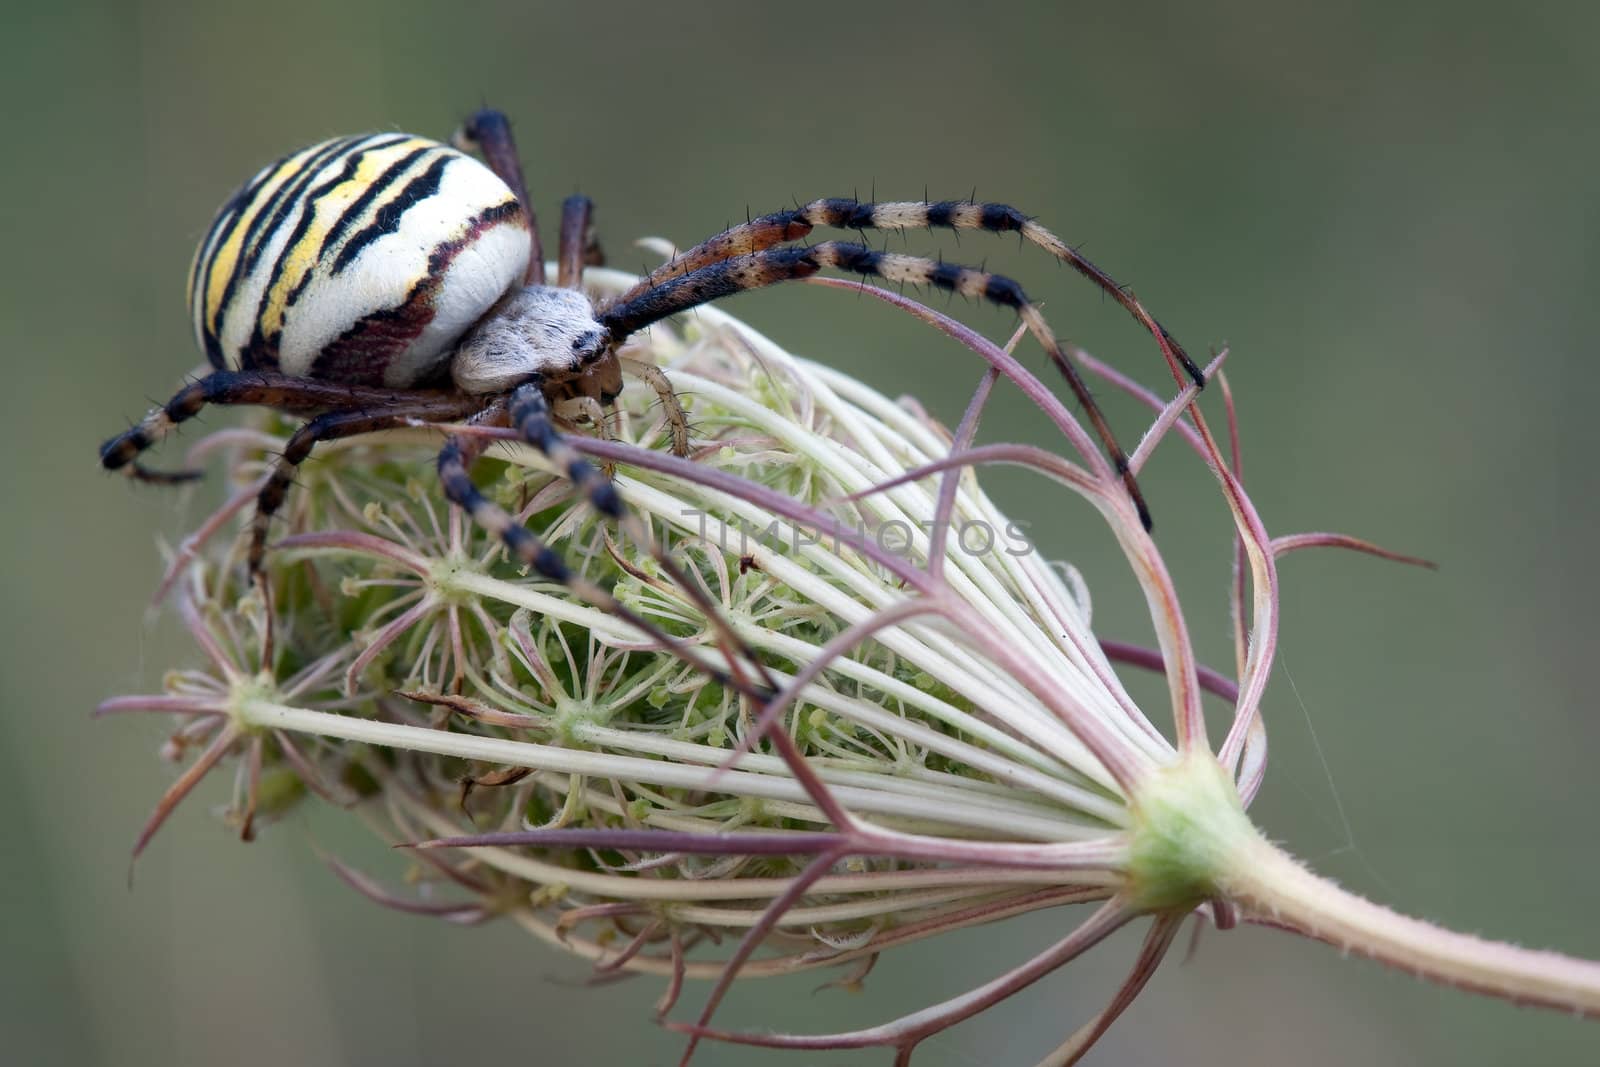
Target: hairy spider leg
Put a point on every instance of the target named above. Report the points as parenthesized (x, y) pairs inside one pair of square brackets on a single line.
[(783, 226), (489, 131), (283, 392), (529, 413), (580, 245), (756, 270), (332, 426)]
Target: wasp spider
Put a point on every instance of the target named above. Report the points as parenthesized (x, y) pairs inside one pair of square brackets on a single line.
[(388, 280)]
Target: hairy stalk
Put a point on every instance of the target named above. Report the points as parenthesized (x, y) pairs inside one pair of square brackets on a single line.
[(1274, 888)]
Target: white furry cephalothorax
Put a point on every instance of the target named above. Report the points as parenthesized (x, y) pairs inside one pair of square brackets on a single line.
[(537, 330)]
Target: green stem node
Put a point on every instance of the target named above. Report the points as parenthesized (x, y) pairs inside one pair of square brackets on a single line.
[(1188, 825)]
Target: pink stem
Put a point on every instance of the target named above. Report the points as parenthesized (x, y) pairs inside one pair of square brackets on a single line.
[(951, 481), (1034, 389), (456, 912), (908, 1030), (1156, 943), (355, 541), (177, 705), (184, 784), (1212, 681), (190, 547), (753, 938), (1282, 546), (384, 639), (1165, 420)]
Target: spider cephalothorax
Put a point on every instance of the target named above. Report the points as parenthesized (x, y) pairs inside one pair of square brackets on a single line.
[(387, 280), (538, 329)]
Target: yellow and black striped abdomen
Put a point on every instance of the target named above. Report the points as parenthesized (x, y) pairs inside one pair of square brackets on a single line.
[(360, 260)]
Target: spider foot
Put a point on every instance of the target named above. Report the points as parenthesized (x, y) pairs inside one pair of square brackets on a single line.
[(140, 473)]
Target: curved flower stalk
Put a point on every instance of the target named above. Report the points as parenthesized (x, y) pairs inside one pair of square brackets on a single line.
[(942, 740)]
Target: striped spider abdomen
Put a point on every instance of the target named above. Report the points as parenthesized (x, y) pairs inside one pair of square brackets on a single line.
[(359, 260)]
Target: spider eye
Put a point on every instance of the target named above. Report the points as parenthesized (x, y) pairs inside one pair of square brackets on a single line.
[(587, 346)]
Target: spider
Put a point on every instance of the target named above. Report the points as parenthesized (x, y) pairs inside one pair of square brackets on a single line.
[(378, 281)]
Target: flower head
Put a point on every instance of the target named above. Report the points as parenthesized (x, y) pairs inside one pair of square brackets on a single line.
[(878, 713)]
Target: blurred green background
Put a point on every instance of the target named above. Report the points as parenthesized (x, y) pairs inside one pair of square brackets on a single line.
[(1387, 210)]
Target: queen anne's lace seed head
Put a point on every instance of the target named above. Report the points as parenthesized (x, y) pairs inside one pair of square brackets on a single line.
[(949, 742)]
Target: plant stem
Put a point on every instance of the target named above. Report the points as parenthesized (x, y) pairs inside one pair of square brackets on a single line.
[(1274, 888)]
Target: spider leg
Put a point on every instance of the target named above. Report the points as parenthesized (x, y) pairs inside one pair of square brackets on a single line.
[(587, 407), (489, 131), (656, 378), (530, 416), (579, 246), (774, 265), (529, 413), (753, 235), (331, 427), (249, 387), (454, 460), (782, 226)]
